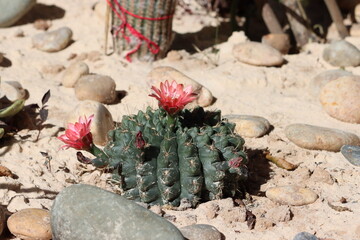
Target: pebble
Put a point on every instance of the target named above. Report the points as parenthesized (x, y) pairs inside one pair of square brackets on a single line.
[(53, 41), (201, 232), (341, 99), (102, 122), (30, 223), (52, 69), (357, 13), (12, 90), (2, 219), (13, 10), (109, 214), (257, 54), (279, 41), (279, 214), (342, 54), (321, 175), (161, 74), (291, 195), (305, 236), (352, 154), (41, 24), (249, 126), (96, 87), (73, 73), (319, 138), (320, 80)]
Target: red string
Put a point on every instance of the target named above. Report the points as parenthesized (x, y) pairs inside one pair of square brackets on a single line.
[(152, 46)]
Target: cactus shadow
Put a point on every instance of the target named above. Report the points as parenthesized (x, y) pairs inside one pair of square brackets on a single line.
[(259, 171)]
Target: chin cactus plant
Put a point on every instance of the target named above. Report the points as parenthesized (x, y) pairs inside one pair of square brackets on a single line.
[(10, 111), (171, 154)]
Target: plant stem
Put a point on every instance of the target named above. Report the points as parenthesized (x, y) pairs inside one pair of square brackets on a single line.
[(101, 158), (171, 122)]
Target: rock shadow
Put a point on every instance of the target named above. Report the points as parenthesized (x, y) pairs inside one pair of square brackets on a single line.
[(259, 171), (41, 11), (6, 63)]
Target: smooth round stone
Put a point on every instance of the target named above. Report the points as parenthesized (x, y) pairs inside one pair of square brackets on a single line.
[(96, 87), (257, 54), (13, 10), (161, 74), (279, 41), (201, 232), (291, 195), (341, 99), (249, 126), (320, 80), (2, 219), (53, 41), (319, 138), (351, 153), (305, 236), (357, 13), (342, 54), (73, 73), (92, 213), (102, 122), (30, 223), (12, 90)]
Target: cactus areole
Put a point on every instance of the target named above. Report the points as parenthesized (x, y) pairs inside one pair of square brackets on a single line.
[(172, 154)]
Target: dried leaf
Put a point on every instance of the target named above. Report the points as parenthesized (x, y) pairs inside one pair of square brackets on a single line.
[(5, 172), (46, 97), (280, 162), (339, 208), (43, 114), (81, 158)]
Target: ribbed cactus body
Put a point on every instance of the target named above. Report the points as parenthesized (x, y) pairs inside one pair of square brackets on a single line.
[(189, 160)]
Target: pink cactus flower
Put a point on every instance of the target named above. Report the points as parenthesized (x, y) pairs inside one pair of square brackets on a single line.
[(78, 135), (173, 97), (235, 162)]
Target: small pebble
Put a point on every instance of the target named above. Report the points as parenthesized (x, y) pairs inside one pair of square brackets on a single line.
[(201, 232), (73, 73), (342, 54), (257, 54), (12, 90), (30, 223), (161, 74), (279, 214), (319, 138), (41, 24), (341, 99), (96, 87), (305, 236), (102, 122), (19, 33), (352, 154), (279, 41), (5, 172), (53, 41), (320, 80), (52, 69), (321, 175), (291, 195), (11, 11), (249, 126), (111, 216), (2, 219)]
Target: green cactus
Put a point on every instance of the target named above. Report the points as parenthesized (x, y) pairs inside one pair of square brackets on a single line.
[(10, 111), (195, 156)]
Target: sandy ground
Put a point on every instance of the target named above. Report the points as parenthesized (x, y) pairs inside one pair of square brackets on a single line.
[(278, 94)]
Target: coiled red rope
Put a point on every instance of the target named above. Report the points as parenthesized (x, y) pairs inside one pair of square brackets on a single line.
[(152, 46)]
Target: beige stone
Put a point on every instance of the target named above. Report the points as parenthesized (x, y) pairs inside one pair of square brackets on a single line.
[(279, 41), (249, 126), (31, 223), (161, 74), (341, 99), (291, 195), (101, 124), (96, 87), (73, 73)]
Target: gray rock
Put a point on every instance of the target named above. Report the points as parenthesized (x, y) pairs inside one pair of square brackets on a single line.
[(96, 87), (291, 195), (201, 232), (341, 99), (352, 154), (13, 10), (91, 213), (249, 126), (73, 73), (2, 219), (257, 54), (53, 41), (342, 54), (319, 138), (279, 41), (323, 78), (305, 236)]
